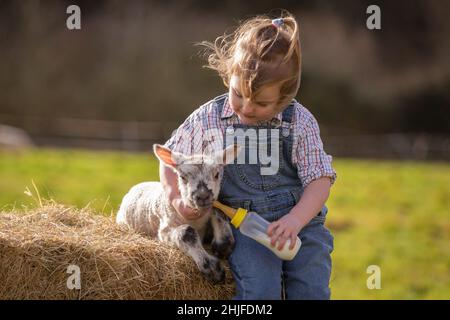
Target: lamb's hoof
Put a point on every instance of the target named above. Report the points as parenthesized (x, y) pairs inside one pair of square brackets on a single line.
[(213, 270), (223, 249)]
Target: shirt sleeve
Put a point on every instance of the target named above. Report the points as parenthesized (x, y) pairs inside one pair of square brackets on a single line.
[(309, 156), (183, 139), (198, 134)]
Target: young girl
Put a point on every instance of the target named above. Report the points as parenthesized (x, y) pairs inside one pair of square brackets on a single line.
[(260, 64)]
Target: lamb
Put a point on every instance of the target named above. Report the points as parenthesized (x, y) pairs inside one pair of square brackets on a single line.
[(146, 209)]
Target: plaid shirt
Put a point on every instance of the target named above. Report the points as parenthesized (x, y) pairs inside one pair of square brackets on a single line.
[(205, 128)]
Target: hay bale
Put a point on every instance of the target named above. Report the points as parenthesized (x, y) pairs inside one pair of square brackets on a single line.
[(37, 247)]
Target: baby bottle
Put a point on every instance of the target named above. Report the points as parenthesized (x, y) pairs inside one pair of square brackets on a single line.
[(254, 226)]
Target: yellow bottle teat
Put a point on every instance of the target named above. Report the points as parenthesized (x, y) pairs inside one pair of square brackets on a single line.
[(236, 215)]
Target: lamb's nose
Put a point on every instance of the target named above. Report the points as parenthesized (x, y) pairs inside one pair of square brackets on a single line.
[(203, 195)]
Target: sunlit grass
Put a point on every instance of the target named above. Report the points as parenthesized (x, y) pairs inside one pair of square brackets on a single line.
[(395, 215), (80, 178)]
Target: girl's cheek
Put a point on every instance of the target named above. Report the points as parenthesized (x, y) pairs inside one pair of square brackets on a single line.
[(234, 104)]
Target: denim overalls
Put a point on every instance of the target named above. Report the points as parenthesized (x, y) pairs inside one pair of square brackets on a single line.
[(258, 272)]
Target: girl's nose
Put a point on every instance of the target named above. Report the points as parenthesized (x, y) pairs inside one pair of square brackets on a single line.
[(247, 109)]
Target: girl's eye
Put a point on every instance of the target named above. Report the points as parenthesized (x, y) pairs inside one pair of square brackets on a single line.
[(263, 104), (237, 94)]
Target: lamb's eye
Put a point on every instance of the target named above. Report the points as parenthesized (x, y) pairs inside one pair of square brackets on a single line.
[(184, 178)]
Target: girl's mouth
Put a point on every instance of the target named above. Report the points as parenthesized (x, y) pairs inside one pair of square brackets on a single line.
[(247, 120)]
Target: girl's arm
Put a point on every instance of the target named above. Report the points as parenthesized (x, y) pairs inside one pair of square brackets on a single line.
[(169, 180), (314, 197)]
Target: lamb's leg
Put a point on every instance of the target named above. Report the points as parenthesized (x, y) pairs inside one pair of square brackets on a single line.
[(223, 240), (188, 240)]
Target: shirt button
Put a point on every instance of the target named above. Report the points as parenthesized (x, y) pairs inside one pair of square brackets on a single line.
[(230, 130)]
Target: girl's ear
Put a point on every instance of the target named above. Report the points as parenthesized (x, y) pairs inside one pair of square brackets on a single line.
[(165, 155)]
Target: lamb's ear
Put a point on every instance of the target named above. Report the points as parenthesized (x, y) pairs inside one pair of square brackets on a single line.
[(165, 155), (228, 155)]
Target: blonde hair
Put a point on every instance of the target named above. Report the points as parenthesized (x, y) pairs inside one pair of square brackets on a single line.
[(261, 53)]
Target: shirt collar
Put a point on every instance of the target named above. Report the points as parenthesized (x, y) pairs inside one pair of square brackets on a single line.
[(227, 112)]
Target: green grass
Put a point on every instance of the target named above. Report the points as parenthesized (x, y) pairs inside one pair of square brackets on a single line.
[(391, 214), (80, 178)]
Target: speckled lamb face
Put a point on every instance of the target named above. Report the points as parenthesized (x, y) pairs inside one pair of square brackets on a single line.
[(199, 183), (199, 176)]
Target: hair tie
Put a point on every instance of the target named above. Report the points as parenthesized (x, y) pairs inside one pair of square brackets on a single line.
[(277, 22)]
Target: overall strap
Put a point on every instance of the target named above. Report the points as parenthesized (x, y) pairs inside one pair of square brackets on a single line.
[(220, 101), (287, 119), (288, 113)]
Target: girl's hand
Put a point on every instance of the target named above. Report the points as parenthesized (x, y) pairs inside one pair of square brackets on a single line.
[(287, 227), (187, 212)]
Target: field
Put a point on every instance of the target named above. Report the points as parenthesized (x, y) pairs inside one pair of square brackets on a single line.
[(394, 215)]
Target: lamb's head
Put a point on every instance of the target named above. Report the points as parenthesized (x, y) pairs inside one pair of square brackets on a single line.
[(199, 176)]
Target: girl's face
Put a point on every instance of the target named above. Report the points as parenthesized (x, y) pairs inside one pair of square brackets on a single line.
[(263, 107)]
